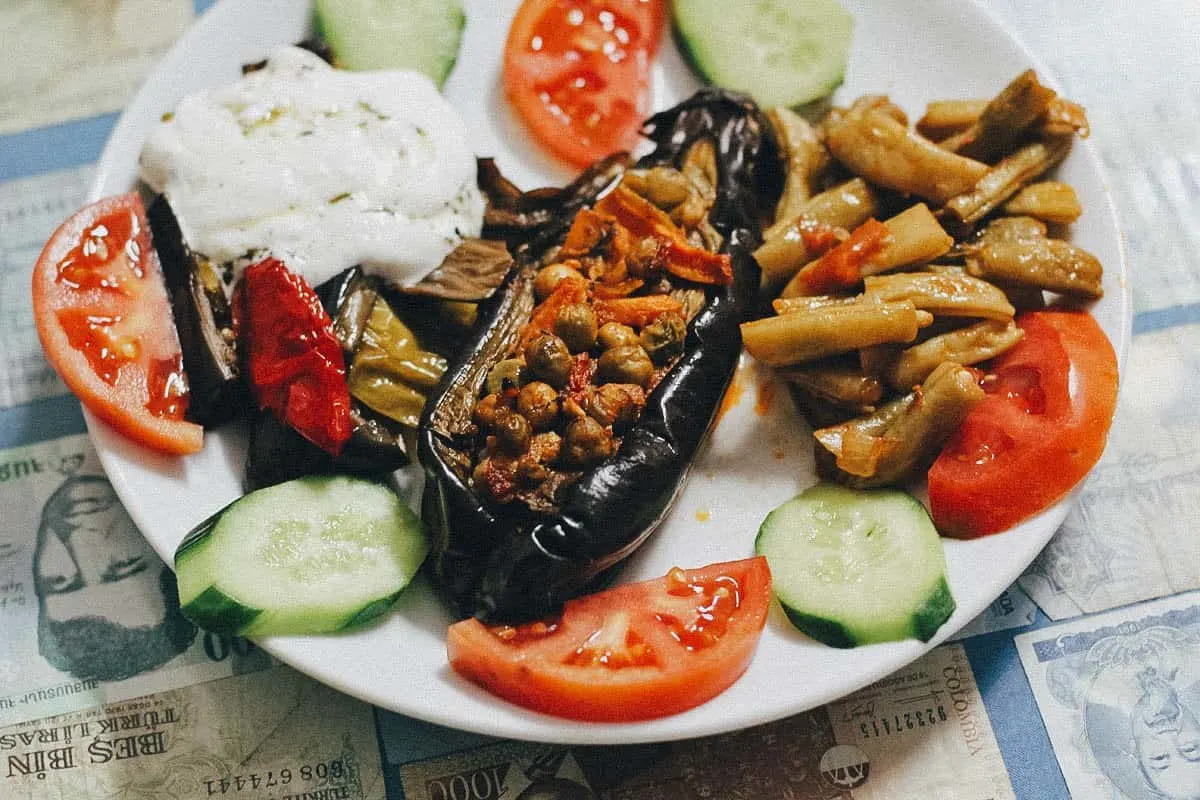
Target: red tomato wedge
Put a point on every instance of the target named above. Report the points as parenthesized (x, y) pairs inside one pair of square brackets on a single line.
[(106, 326), (1039, 431), (634, 652), (578, 72)]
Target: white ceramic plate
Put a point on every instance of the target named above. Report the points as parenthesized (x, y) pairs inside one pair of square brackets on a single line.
[(915, 51)]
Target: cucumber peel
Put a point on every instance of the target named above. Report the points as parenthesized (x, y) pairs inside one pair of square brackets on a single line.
[(313, 555), (853, 567)]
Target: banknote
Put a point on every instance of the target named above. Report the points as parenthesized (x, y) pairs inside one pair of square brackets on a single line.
[(1120, 697), (508, 770), (30, 210), (1012, 609), (1132, 535), (922, 732), (270, 735), (76, 59), (88, 613)]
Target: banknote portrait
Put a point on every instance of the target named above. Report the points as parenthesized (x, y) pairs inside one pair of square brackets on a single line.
[(1149, 745), (108, 608), (1133, 691), (89, 614)]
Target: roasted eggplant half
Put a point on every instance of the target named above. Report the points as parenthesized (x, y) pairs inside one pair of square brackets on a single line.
[(204, 320), (548, 459)]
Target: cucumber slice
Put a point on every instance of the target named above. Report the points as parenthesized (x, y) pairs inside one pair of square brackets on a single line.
[(421, 35), (783, 53), (855, 566), (312, 555)]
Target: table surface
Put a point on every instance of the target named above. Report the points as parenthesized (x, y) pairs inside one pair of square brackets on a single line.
[(1123, 559)]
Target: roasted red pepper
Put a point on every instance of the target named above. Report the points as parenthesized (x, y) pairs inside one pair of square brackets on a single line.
[(642, 218), (293, 361)]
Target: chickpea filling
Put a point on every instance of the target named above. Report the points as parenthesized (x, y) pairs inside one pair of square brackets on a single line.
[(613, 303)]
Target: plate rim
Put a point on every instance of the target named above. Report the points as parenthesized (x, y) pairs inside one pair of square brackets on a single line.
[(518, 723)]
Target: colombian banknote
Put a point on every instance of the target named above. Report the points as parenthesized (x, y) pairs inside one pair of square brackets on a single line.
[(30, 210), (271, 735), (88, 613), (1120, 696), (1132, 535), (923, 732), (66, 61)]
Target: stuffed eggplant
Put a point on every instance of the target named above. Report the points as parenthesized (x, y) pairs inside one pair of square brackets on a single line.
[(558, 439)]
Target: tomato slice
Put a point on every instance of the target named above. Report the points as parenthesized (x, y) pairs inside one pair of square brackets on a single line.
[(634, 652), (578, 72), (105, 323), (1041, 428)]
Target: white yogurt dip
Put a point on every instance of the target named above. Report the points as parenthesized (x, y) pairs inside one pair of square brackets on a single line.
[(321, 168)]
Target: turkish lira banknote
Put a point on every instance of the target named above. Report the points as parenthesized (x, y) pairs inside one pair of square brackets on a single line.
[(88, 613), (1120, 697), (922, 732), (70, 60), (271, 735)]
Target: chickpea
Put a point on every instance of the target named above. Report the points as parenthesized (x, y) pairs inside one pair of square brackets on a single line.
[(646, 258), (614, 334), (530, 472), (538, 403), (616, 404), (512, 433), (663, 338), (666, 187), (479, 475), (549, 277), (586, 442), (487, 409), (544, 447), (548, 359), (576, 326), (504, 374), (571, 410), (625, 364)]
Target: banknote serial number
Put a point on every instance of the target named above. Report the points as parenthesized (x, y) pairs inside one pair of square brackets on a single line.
[(321, 771), (903, 721)]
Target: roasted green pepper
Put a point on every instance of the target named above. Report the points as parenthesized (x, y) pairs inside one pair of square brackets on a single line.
[(390, 372)]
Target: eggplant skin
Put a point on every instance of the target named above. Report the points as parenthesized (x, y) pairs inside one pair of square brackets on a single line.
[(510, 564), (204, 321)]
